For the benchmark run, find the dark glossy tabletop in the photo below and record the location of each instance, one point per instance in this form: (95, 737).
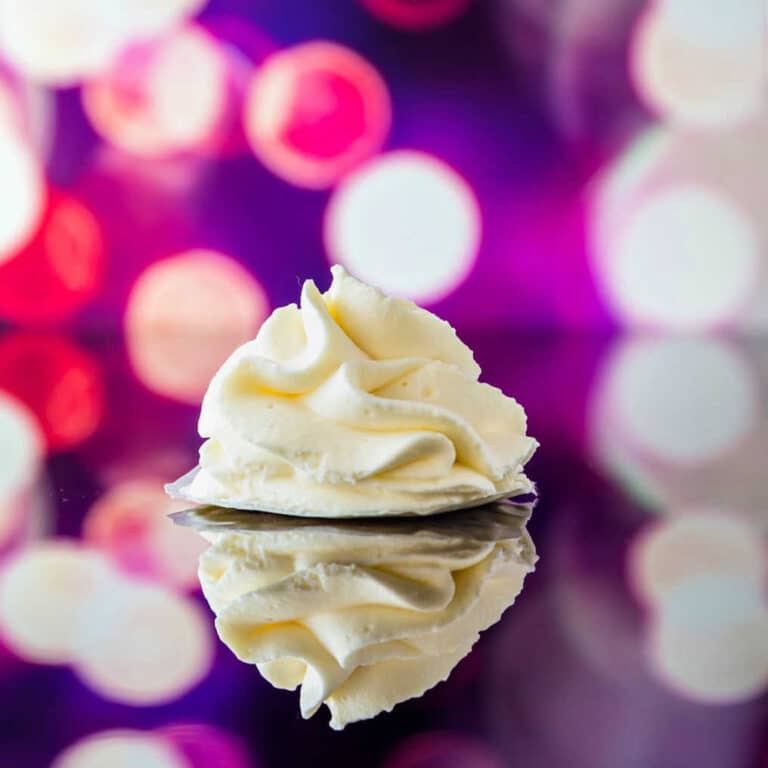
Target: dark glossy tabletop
(640, 640)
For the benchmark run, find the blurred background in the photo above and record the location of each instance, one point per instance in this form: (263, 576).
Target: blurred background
(579, 186)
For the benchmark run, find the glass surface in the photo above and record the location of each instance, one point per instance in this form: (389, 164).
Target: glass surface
(641, 639)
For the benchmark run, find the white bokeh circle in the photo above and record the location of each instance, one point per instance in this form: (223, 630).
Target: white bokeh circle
(687, 259)
(144, 645)
(46, 590)
(120, 749)
(407, 223)
(22, 193)
(685, 400)
(699, 71)
(185, 315)
(725, 666)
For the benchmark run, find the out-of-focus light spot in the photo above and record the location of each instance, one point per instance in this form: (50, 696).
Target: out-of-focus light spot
(57, 381)
(120, 749)
(416, 14)
(315, 111)
(59, 41)
(185, 316)
(44, 592)
(21, 452)
(205, 746)
(22, 193)
(683, 400)
(700, 547)
(140, 461)
(668, 158)
(21, 446)
(701, 66)
(407, 223)
(9, 117)
(58, 271)
(616, 189)
(715, 23)
(686, 260)
(143, 645)
(728, 473)
(691, 602)
(702, 575)
(26, 111)
(144, 18)
(723, 666)
(129, 523)
(161, 96)
(443, 749)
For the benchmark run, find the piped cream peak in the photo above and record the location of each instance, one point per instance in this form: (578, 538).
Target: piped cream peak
(356, 404)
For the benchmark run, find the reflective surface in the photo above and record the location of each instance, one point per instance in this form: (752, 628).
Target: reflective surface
(641, 638)
(361, 615)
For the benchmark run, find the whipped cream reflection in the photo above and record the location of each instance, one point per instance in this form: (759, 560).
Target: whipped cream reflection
(361, 614)
(356, 404)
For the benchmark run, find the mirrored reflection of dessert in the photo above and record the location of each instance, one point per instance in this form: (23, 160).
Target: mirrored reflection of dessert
(361, 614)
(354, 405)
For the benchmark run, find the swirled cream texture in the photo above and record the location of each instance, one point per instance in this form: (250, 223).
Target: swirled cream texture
(356, 404)
(360, 621)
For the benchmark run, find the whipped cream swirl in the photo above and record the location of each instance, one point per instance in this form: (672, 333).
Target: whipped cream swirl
(356, 404)
(362, 618)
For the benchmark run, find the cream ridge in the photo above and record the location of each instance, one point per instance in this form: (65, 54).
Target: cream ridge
(356, 404)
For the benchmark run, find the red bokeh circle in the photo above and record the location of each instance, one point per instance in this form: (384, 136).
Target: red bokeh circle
(315, 111)
(59, 270)
(416, 15)
(58, 381)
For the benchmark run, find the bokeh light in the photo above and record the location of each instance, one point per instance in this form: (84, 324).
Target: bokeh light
(727, 665)
(315, 111)
(45, 592)
(58, 271)
(443, 749)
(160, 96)
(21, 451)
(731, 477)
(406, 222)
(22, 193)
(697, 545)
(143, 462)
(120, 749)
(711, 184)
(615, 194)
(416, 15)
(21, 446)
(185, 315)
(27, 111)
(58, 381)
(59, 41)
(144, 18)
(701, 64)
(702, 575)
(206, 746)
(684, 401)
(9, 116)
(687, 259)
(130, 524)
(143, 645)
